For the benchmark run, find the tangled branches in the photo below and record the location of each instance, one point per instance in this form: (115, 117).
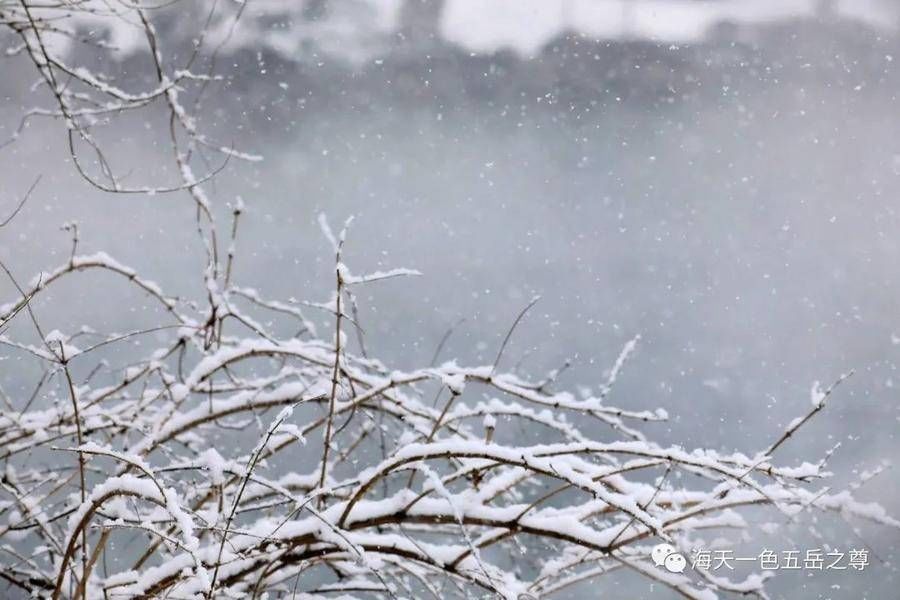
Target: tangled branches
(399, 488)
(233, 461)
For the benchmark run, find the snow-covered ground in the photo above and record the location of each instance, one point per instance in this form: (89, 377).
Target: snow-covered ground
(525, 26)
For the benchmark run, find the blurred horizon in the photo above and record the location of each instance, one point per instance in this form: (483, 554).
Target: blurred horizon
(358, 31)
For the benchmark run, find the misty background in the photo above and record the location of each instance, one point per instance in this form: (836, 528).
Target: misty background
(720, 178)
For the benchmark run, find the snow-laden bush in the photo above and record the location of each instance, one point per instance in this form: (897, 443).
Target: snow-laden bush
(366, 481)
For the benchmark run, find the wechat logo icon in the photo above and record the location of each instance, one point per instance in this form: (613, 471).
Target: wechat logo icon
(664, 555)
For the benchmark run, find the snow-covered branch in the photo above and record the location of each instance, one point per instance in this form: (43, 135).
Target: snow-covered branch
(233, 460)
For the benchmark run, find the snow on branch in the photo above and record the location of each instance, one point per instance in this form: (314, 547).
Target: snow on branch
(231, 459)
(219, 513)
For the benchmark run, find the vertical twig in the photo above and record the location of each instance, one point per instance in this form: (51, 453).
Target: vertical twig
(64, 361)
(336, 370)
(510, 332)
